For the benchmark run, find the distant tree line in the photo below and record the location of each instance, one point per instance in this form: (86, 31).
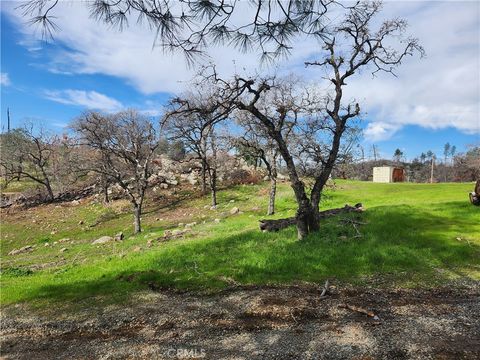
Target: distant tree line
(452, 167)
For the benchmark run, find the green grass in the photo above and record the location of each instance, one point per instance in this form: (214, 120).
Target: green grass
(18, 186)
(415, 235)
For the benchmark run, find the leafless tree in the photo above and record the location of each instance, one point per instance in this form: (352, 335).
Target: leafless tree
(191, 119)
(260, 149)
(189, 25)
(467, 165)
(320, 122)
(123, 144)
(29, 154)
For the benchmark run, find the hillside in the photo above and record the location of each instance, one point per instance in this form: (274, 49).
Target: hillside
(412, 235)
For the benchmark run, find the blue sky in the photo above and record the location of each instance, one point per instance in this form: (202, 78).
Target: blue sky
(50, 84)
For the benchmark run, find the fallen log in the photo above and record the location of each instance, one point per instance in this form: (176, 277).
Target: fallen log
(276, 225)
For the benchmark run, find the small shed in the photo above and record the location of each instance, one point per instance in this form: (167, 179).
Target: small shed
(388, 174)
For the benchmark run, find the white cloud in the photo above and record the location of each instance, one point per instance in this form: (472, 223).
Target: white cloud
(437, 92)
(4, 79)
(87, 99)
(95, 48)
(379, 131)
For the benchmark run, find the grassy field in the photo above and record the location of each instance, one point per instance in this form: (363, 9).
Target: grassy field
(416, 235)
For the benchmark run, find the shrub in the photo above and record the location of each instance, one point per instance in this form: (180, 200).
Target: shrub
(242, 176)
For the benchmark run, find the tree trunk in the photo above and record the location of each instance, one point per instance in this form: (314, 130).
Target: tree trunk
(137, 213)
(49, 189)
(306, 220)
(105, 194)
(214, 196)
(272, 168)
(213, 169)
(271, 201)
(204, 176)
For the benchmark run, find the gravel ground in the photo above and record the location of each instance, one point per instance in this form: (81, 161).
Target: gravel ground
(256, 323)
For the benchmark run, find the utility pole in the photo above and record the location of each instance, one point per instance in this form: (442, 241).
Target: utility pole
(431, 170)
(8, 120)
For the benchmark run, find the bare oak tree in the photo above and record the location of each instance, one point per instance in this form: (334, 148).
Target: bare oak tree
(191, 119)
(252, 145)
(124, 145)
(29, 154)
(321, 121)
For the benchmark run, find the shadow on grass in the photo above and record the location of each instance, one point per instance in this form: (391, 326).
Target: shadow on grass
(400, 242)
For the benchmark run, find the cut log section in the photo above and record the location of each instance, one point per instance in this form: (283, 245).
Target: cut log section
(276, 225)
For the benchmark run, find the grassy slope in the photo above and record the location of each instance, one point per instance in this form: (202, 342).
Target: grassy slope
(410, 239)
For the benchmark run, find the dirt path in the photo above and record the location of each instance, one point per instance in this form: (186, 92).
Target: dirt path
(262, 323)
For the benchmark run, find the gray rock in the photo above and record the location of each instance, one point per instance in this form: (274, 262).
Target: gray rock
(119, 236)
(21, 250)
(63, 250)
(234, 210)
(177, 232)
(102, 240)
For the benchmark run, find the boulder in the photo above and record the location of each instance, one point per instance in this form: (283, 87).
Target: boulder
(63, 250)
(119, 236)
(21, 250)
(177, 232)
(192, 224)
(217, 220)
(234, 210)
(102, 240)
